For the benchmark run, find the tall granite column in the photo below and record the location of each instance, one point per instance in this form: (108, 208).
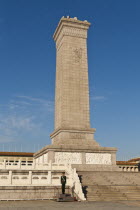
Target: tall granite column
(73, 138)
(72, 115)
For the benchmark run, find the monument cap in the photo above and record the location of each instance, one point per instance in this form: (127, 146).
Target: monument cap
(73, 22)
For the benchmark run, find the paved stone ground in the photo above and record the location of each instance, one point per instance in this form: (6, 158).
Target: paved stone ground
(51, 205)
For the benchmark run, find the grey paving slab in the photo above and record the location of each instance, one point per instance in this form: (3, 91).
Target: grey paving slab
(51, 205)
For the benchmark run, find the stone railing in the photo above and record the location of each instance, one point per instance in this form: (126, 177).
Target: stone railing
(128, 168)
(32, 176)
(29, 179)
(75, 183)
(31, 166)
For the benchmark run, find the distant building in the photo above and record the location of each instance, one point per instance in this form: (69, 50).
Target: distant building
(130, 165)
(14, 157)
(134, 160)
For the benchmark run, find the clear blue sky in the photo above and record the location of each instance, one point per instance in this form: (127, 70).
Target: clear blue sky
(27, 71)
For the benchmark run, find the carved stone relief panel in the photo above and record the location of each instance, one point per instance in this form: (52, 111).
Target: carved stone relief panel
(68, 157)
(77, 54)
(98, 158)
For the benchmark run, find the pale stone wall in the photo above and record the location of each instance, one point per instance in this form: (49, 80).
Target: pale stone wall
(41, 159)
(41, 175)
(46, 158)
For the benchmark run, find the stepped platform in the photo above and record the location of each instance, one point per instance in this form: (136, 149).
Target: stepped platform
(65, 198)
(110, 185)
(30, 192)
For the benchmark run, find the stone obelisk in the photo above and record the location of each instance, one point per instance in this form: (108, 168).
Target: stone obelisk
(72, 115)
(73, 138)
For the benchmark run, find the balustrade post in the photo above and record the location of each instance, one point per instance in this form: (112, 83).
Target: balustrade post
(19, 163)
(49, 177)
(43, 159)
(4, 163)
(10, 177)
(34, 164)
(30, 177)
(74, 171)
(136, 169)
(50, 165)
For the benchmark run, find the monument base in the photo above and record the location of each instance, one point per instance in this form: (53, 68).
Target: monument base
(74, 136)
(76, 146)
(77, 154)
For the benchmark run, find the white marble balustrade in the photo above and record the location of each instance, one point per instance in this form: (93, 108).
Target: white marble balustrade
(129, 168)
(31, 166)
(31, 175)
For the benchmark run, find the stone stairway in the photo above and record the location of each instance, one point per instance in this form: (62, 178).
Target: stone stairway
(110, 186)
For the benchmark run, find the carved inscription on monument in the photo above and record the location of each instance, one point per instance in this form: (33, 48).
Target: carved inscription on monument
(68, 157)
(77, 54)
(77, 135)
(98, 158)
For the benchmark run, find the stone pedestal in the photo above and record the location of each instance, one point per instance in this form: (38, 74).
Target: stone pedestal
(78, 154)
(73, 136)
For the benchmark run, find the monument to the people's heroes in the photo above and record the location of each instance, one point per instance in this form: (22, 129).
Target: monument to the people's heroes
(73, 138)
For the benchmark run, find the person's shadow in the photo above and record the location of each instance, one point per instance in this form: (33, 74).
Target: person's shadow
(84, 188)
(80, 178)
(139, 166)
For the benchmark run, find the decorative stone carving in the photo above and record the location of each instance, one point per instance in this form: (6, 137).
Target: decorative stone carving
(4, 177)
(77, 55)
(98, 158)
(70, 31)
(24, 177)
(68, 157)
(76, 135)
